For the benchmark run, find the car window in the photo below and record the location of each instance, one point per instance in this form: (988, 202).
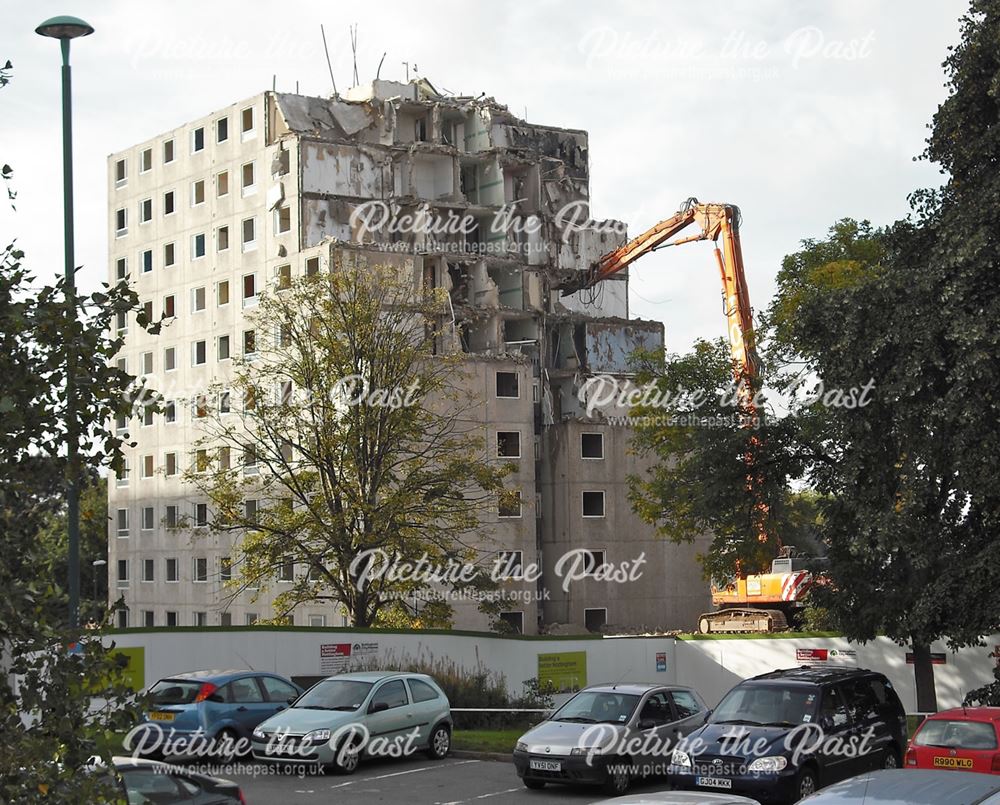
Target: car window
(174, 691)
(277, 690)
(421, 691)
(189, 787)
(833, 709)
(598, 706)
(656, 709)
(957, 734)
(685, 703)
(245, 691)
(861, 702)
(768, 704)
(149, 786)
(392, 693)
(334, 694)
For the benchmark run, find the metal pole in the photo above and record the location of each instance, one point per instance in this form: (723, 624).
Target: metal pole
(72, 436)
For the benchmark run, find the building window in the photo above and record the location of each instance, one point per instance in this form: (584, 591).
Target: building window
(226, 568)
(169, 306)
(197, 246)
(222, 129)
(222, 238)
(121, 173)
(251, 508)
(121, 222)
(171, 618)
(283, 275)
(198, 193)
(508, 444)
(147, 416)
(147, 309)
(145, 211)
(509, 505)
(123, 573)
(172, 575)
(168, 152)
(249, 342)
(222, 293)
(507, 386)
(200, 409)
(200, 515)
(149, 570)
(201, 619)
(509, 565)
(146, 160)
(198, 354)
(593, 504)
(168, 203)
(514, 620)
(592, 445)
(197, 299)
(247, 123)
(282, 219)
(121, 268)
(169, 411)
(249, 460)
(249, 289)
(170, 464)
(147, 363)
(312, 266)
(317, 621)
(148, 618)
(248, 179)
(169, 359)
(222, 184)
(595, 619)
(223, 345)
(225, 400)
(286, 571)
(225, 460)
(251, 618)
(169, 255)
(122, 523)
(201, 460)
(147, 466)
(199, 569)
(592, 560)
(171, 516)
(249, 230)
(121, 323)
(122, 479)
(197, 140)
(123, 618)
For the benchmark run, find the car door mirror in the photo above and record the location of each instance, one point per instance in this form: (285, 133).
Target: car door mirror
(378, 707)
(291, 699)
(647, 723)
(826, 722)
(708, 715)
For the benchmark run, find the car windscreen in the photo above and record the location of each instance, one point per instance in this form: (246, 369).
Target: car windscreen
(772, 705)
(957, 734)
(174, 691)
(592, 707)
(334, 694)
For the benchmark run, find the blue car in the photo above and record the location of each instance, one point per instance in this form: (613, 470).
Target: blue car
(209, 712)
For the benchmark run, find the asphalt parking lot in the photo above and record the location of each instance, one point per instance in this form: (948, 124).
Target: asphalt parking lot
(417, 781)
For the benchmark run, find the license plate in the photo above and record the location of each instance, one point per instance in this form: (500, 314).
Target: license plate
(157, 716)
(713, 782)
(953, 762)
(545, 765)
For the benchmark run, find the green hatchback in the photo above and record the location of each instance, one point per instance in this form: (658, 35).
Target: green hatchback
(345, 718)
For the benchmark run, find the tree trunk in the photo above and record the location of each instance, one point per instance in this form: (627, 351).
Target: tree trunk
(923, 676)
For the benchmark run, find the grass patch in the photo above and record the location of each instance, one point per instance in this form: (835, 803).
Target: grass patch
(758, 636)
(486, 740)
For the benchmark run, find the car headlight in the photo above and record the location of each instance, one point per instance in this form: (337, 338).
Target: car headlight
(768, 764)
(521, 746)
(586, 750)
(317, 737)
(679, 758)
(259, 734)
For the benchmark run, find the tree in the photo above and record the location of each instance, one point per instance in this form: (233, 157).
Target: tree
(58, 708)
(349, 431)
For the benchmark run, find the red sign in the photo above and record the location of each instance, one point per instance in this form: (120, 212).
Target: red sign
(811, 654)
(333, 657)
(937, 658)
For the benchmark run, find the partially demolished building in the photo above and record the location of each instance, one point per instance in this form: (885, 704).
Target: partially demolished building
(474, 201)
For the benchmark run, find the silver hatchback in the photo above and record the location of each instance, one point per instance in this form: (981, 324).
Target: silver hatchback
(609, 734)
(344, 718)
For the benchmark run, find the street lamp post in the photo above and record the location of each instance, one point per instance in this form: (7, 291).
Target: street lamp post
(97, 563)
(64, 29)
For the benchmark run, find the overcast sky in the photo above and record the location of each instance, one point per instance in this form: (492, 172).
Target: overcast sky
(799, 112)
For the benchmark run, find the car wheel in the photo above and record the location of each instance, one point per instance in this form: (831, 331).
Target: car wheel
(225, 743)
(890, 760)
(347, 759)
(440, 743)
(534, 785)
(805, 784)
(619, 780)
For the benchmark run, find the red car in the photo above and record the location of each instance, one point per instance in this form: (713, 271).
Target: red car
(966, 739)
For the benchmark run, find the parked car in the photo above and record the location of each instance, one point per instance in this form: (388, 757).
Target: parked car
(780, 736)
(966, 739)
(641, 724)
(221, 707)
(679, 798)
(917, 787)
(343, 718)
(146, 782)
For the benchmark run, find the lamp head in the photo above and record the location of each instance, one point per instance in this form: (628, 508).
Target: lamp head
(64, 27)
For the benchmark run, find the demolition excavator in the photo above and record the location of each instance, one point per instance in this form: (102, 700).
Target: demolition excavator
(764, 602)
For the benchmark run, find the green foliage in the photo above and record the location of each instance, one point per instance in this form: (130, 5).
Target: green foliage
(404, 475)
(988, 695)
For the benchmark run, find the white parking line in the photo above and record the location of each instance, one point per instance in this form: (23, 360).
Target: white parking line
(401, 773)
(480, 796)
(498, 793)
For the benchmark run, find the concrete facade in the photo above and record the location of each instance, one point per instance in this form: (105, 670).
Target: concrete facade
(204, 217)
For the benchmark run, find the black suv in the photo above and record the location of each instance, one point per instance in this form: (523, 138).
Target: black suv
(779, 736)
